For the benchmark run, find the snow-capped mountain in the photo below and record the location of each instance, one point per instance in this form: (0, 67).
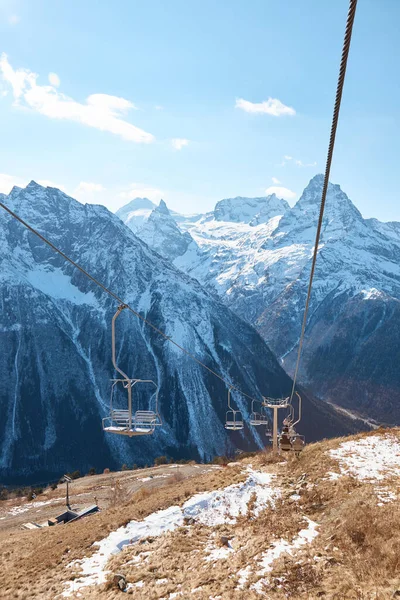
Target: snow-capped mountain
(161, 232)
(256, 254)
(55, 362)
(249, 210)
(136, 212)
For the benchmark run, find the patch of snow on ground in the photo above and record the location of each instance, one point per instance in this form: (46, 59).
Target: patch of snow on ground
(244, 574)
(210, 508)
(305, 536)
(223, 506)
(17, 510)
(371, 459)
(93, 568)
(217, 552)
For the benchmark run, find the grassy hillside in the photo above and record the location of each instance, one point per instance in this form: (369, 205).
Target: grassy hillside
(324, 526)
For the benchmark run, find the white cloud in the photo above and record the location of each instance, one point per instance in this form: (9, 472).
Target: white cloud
(54, 79)
(89, 187)
(48, 183)
(297, 162)
(7, 182)
(179, 143)
(272, 106)
(100, 111)
(13, 19)
(141, 190)
(281, 192)
(300, 163)
(275, 180)
(159, 107)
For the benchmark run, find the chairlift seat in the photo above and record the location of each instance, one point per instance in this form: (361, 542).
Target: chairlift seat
(120, 417)
(234, 420)
(257, 419)
(145, 420)
(285, 443)
(298, 443)
(254, 419)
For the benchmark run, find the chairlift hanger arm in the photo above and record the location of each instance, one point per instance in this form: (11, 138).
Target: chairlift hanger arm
(114, 360)
(299, 415)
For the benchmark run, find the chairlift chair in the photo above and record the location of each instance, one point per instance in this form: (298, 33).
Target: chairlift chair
(258, 418)
(289, 439)
(123, 421)
(298, 443)
(234, 418)
(285, 443)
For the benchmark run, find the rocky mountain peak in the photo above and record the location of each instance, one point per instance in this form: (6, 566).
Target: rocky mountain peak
(162, 208)
(136, 212)
(244, 210)
(136, 204)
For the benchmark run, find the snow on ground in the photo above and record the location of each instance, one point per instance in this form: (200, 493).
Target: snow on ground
(266, 560)
(210, 508)
(17, 510)
(372, 459)
(223, 506)
(214, 552)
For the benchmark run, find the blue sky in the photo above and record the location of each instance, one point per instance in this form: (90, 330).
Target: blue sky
(171, 99)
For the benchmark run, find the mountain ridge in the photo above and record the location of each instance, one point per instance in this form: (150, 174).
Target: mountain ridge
(261, 271)
(55, 330)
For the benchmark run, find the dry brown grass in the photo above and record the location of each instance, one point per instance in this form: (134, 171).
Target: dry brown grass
(356, 555)
(35, 562)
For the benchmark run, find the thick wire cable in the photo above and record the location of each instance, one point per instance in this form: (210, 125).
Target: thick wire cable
(335, 120)
(120, 301)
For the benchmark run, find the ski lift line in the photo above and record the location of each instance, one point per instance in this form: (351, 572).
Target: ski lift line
(120, 301)
(335, 120)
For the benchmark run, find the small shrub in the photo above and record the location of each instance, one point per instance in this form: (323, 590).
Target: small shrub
(54, 485)
(220, 460)
(92, 471)
(106, 471)
(175, 478)
(4, 493)
(75, 475)
(141, 494)
(160, 460)
(124, 467)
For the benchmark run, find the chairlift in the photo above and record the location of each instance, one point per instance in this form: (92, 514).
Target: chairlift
(289, 439)
(234, 418)
(258, 417)
(123, 421)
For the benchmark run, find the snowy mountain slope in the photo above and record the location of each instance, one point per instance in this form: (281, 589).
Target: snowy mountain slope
(249, 210)
(136, 212)
(259, 264)
(55, 346)
(161, 232)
